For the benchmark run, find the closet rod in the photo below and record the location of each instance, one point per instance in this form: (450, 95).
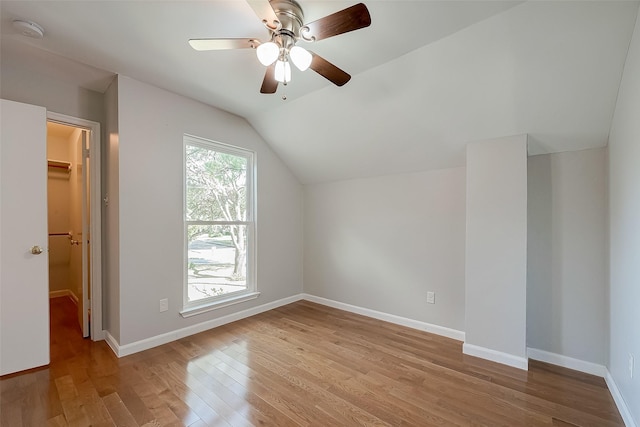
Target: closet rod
(68, 234)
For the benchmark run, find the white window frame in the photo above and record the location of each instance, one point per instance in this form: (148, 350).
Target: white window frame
(251, 292)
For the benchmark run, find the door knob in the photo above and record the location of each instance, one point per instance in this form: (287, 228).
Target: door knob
(36, 250)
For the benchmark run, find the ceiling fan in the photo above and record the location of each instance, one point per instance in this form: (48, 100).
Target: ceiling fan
(286, 28)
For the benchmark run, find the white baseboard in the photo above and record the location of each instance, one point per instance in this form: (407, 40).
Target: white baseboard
(496, 356)
(587, 368)
(112, 343)
(127, 349)
(60, 293)
(625, 413)
(567, 362)
(145, 344)
(391, 318)
(64, 293)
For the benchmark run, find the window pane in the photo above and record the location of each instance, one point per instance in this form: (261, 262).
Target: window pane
(216, 185)
(217, 260)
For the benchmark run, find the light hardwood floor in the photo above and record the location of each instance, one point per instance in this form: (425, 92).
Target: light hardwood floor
(302, 364)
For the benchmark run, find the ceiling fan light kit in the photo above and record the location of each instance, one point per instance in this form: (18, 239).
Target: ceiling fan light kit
(286, 30)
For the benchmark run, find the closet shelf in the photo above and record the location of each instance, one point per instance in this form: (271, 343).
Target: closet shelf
(57, 164)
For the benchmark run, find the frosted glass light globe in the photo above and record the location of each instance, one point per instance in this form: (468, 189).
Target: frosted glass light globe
(283, 72)
(267, 53)
(300, 57)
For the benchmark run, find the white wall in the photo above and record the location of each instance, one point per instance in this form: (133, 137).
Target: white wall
(624, 231)
(382, 243)
(38, 86)
(151, 125)
(567, 283)
(496, 250)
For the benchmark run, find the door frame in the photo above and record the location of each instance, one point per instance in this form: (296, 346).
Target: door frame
(95, 226)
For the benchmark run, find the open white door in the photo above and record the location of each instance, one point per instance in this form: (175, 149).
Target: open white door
(79, 260)
(24, 278)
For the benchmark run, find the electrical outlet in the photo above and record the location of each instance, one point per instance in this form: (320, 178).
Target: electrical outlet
(631, 363)
(431, 297)
(164, 304)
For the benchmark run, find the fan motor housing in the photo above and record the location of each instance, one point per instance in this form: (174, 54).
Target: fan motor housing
(290, 15)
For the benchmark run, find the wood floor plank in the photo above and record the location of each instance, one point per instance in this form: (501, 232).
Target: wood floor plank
(118, 411)
(57, 421)
(11, 415)
(240, 397)
(163, 416)
(73, 408)
(302, 364)
(196, 404)
(160, 395)
(209, 391)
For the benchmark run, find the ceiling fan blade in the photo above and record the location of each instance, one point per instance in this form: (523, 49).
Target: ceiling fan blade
(349, 19)
(223, 44)
(329, 71)
(264, 11)
(269, 84)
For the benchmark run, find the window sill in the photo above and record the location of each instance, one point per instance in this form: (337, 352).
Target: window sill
(225, 302)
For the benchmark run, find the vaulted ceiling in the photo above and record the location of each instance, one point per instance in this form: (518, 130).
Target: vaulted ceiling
(428, 77)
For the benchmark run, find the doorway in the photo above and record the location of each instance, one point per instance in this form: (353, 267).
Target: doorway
(73, 208)
(68, 219)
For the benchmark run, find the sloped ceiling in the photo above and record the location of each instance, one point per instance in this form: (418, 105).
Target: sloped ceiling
(428, 76)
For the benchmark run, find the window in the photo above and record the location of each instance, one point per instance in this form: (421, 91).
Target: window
(219, 225)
